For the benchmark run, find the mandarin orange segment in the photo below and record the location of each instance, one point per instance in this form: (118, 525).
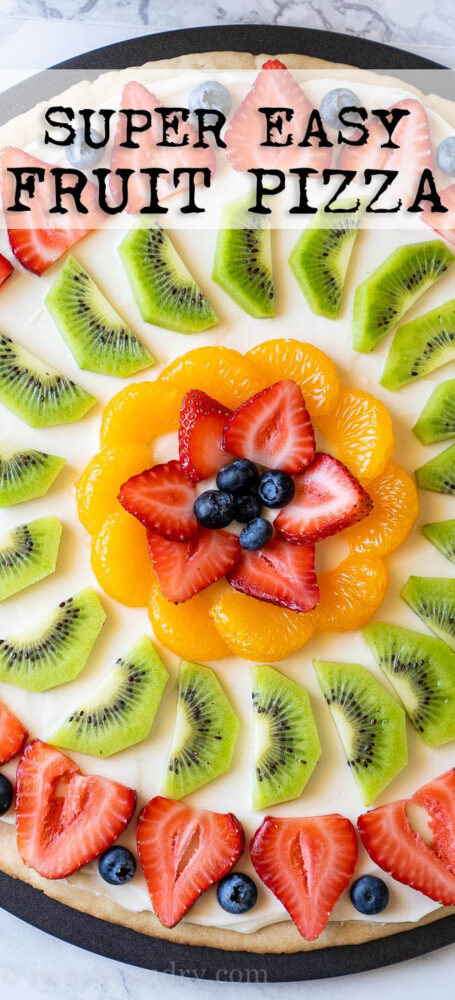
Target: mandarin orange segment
(360, 428)
(139, 413)
(259, 631)
(227, 375)
(350, 593)
(395, 508)
(187, 629)
(313, 371)
(97, 489)
(121, 562)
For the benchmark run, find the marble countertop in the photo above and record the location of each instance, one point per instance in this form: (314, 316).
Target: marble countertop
(35, 34)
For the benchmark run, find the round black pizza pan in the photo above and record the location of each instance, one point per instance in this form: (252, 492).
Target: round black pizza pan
(113, 940)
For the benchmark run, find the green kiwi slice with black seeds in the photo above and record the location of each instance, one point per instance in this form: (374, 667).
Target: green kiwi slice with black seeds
(242, 265)
(28, 553)
(420, 347)
(320, 261)
(383, 298)
(438, 475)
(205, 732)
(122, 711)
(421, 669)
(166, 293)
(35, 392)
(437, 419)
(433, 600)
(370, 723)
(57, 649)
(441, 534)
(286, 746)
(26, 474)
(96, 335)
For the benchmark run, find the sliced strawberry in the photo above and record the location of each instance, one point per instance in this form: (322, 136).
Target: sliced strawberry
(34, 238)
(413, 154)
(247, 130)
(183, 851)
(185, 568)
(162, 499)
(438, 798)
(6, 268)
(394, 846)
(307, 863)
(278, 573)
(12, 734)
(202, 421)
(63, 818)
(443, 222)
(150, 154)
(273, 64)
(273, 429)
(327, 499)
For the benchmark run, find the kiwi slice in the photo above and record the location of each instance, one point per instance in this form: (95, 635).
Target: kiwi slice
(320, 260)
(381, 300)
(437, 419)
(26, 474)
(123, 709)
(422, 671)
(95, 333)
(420, 347)
(242, 265)
(438, 475)
(166, 294)
(433, 600)
(35, 392)
(204, 734)
(370, 723)
(28, 553)
(56, 651)
(441, 534)
(286, 745)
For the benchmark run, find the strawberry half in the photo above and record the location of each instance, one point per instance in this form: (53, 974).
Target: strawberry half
(37, 243)
(273, 428)
(162, 499)
(327, 499)
(6, 268)
(278, 573)
(185, 568)
(395, 846)
(63, 818)
(307, 863)
(247, 130)
(443, 223)
(150, 154)
(12, 735)
(183, 851)
(202, 422)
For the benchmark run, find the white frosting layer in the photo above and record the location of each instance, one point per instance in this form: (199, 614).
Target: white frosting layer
(331, 788)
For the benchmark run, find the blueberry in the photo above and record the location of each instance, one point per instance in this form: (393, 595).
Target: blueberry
(238, 477)
(236, 893)
(256, 534)
(276, 488)
(369, 894)
(82, 156)
(210, 96)
(247, 506)
(117, 865)
(6, 794)
(334, 101)
(446, 155)
(214, 509)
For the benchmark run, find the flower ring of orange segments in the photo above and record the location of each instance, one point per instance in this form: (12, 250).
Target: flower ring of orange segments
(220, 620)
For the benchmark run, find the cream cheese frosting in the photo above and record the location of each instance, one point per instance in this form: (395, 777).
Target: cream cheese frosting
(331, 788)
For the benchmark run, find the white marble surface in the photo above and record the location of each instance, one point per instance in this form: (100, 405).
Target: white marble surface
(32, 965)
